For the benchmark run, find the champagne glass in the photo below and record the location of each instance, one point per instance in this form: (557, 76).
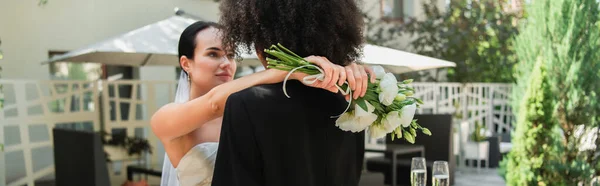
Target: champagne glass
(418, 173)
(440, 173)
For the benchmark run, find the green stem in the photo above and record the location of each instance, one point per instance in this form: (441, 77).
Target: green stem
(287, 50)
(282, 56)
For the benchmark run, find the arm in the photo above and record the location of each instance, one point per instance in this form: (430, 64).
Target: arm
(238, 161)
(172, 121)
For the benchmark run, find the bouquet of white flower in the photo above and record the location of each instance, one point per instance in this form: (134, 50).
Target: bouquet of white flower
(387, 106)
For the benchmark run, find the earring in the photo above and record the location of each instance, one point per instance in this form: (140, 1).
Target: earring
(188, 77)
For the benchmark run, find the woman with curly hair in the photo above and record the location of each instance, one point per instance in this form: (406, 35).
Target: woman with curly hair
(269, 139)
(329, 28)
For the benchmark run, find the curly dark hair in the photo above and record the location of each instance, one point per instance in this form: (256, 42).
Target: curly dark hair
(329, 28)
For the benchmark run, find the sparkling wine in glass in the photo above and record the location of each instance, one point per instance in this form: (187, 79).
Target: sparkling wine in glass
(418, 174)
(440, 174)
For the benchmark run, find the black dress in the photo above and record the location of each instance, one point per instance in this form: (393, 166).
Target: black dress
(268, 139)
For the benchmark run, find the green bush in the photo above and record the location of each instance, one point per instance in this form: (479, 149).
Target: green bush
(476, 35)
(556, 99)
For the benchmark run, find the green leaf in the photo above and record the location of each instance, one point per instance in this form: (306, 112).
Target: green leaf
(407, 81)
(377, 106)
(419, 101)
(372, 85)
(361, 102)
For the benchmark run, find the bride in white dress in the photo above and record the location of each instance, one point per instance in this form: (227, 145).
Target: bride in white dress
(190, 127)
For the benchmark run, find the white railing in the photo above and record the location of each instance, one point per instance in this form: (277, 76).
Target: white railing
(485, 103)
(34, 106)
(31, 110)
(142, 98)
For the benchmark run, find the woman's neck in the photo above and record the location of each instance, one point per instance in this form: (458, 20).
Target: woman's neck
(196, 92)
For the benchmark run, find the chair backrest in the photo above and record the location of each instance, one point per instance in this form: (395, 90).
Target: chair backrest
(79, 158)
(439, 145)
(505, 137)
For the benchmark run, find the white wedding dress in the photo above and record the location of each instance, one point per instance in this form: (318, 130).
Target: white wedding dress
(195, 167)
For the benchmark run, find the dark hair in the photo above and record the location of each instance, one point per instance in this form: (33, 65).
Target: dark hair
(330, 28)
(187, 41)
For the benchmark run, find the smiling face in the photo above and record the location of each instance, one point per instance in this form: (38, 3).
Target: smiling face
(211, 64)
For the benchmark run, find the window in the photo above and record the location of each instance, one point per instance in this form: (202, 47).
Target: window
(392, 10)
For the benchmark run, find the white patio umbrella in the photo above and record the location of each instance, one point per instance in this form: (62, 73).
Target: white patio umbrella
(156, 44)
(397, 61)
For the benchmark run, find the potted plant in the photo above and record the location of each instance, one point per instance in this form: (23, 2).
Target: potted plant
(479, 139)
(123, 145)
(479, 134)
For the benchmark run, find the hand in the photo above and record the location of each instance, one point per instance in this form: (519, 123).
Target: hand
(358, 79)
(275, 76)
(332, 74)
(356, 75)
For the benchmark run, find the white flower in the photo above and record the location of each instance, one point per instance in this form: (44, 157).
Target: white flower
(391, 121)
(389, 89)
(377, 131)
(357, 121)
(346, 122)
(364, 118)
(407, 113)
(363, 122)
(379, 71)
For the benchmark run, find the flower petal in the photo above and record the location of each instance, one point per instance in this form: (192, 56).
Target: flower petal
(391, 121)
(345, 121)
(389, 89)
(377, 131)
(361, 123)
(379, 71)
(407, 114)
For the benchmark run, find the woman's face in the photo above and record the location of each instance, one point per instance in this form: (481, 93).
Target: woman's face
(212, 64)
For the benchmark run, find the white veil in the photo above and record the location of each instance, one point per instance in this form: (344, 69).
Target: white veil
(182, 95)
